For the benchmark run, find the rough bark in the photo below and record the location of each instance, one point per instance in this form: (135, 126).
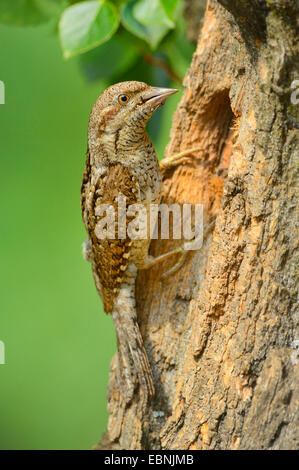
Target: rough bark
(221, 335)
(193, 12)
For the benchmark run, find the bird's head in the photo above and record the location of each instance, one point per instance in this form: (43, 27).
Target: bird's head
(126, 104)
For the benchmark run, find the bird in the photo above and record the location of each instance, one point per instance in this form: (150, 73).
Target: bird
(122, 160)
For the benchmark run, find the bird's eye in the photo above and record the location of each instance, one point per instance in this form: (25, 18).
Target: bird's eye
(123, 99)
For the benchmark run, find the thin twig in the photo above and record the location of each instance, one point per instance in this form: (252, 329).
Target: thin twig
(162, 64)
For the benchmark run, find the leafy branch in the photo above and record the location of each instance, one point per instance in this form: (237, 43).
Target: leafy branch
(111, 33)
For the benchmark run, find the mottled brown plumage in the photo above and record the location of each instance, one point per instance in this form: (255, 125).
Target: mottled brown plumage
(121, 160)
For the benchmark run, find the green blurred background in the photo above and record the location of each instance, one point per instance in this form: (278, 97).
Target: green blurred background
(58, 342)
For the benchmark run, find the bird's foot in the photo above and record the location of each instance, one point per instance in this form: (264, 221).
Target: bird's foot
(182, 251)
(87, 251)
(178, 159)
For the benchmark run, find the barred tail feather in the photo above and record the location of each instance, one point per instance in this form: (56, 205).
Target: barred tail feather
(133, 363)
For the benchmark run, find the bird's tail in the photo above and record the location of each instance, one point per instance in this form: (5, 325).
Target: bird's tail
(133, 363)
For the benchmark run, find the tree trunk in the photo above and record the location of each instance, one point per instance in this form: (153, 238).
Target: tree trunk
(221, 334)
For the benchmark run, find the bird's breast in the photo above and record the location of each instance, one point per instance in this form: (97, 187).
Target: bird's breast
(147, 173)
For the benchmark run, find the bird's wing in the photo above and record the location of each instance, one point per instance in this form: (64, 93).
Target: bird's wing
(85, 186)
(110, 256)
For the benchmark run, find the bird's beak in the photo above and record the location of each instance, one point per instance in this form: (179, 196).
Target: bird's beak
(158, 95)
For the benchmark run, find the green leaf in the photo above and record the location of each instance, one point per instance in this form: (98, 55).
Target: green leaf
(151, 13)
(51, 8)
(109, 60)
(29, 12)
(178, 49)
(86, 25)
(152, 34)
(170, 7)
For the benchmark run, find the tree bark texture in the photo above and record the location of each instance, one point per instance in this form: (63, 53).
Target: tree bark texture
(221, 333)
